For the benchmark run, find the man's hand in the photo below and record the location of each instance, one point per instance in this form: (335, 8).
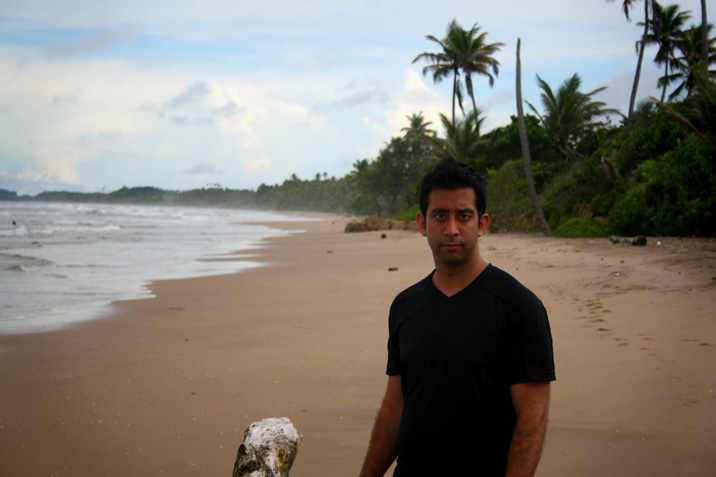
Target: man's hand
(531, 401)
(383, 448)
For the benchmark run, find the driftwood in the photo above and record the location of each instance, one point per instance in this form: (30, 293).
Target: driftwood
(638, 240)
(269, 449)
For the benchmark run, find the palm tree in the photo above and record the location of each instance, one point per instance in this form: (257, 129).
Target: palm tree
(473, 55)
(690, 48)
(665, 30)
(461, 137)
(442, 65)
(641, 45)
(569, 113)
(703, 101)
(418, 128)
(462, 50)
(524, 143)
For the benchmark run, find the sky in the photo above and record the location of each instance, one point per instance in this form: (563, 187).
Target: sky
(176, 94)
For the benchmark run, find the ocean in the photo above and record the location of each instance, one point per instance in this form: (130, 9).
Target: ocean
(62, 263)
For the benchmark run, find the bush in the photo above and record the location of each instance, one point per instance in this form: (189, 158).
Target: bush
(507, 200)
(577, 227)
(674, 195)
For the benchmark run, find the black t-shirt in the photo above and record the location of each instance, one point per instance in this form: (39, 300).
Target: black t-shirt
(457, 357)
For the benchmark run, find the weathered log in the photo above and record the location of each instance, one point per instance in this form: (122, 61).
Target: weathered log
(638, 240)
(269, 449)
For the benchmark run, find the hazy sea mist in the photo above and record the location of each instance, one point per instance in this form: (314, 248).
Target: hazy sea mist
(61, 263)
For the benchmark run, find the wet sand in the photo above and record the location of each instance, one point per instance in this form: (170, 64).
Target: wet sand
(168, 385)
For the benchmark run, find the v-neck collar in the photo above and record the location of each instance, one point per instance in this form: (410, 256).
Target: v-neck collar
(431, 284)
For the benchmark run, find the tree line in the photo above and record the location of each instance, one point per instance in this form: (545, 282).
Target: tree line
(572, 167)
(593, 170)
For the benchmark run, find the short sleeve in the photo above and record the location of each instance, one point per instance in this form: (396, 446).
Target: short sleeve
(531, 353)
(394, 365)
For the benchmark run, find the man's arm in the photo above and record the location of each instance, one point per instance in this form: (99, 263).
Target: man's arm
(531, 401)
(383, 448)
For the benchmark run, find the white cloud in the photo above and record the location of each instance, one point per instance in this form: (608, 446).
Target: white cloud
(254, 165)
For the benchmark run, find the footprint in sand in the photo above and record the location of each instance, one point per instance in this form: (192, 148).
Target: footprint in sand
(701, 343)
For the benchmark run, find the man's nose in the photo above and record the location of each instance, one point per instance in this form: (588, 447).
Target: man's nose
(451, 228)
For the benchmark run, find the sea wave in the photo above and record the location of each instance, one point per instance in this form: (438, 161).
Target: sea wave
(63, 262)
(22, 263)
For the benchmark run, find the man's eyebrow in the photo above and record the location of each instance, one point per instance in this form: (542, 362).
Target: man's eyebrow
(459, 211)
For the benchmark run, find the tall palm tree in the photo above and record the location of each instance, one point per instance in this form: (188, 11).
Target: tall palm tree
(569, 113)
(665, 31)
(525, 145)
(442, 65)
(473, 55)
(627, 5)
(463, 51)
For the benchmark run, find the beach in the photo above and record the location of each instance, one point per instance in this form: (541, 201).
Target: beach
(168, 385)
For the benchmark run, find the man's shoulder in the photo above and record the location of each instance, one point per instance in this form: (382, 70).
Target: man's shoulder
(410, 301)
(413, 290)
(503, 285)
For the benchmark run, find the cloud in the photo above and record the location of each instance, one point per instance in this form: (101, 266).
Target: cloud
(204, 168)
(24, 186)
(50, 163)
(71, 98)
(618, 88)
(229, 110)
(88, 42)
(356, 94)
(255, 164)
(193, 95)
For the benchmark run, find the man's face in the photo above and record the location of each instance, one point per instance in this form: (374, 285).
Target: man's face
(452, 226)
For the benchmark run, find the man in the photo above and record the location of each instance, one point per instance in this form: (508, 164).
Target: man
(469, 353)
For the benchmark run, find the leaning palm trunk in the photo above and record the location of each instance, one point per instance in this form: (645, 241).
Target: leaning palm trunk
(637, 75)
(454, 95)
(705, 33)
(526, 150)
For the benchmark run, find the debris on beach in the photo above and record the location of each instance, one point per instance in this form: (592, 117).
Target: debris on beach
(639, 240)
(269, 449)
(370, 224)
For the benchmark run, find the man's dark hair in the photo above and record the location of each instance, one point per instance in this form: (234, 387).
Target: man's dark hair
(450, 175)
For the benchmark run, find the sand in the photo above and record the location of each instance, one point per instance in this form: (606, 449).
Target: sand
(168, 385)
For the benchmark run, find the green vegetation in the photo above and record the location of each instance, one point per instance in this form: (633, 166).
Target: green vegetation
(654, 173)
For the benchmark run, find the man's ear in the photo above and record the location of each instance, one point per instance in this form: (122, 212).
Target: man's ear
(420, 219)
(482, 226)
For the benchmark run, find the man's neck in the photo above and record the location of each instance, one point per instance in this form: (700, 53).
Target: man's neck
(451, 280)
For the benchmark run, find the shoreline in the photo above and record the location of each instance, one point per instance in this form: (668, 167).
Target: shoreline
(168, 385)
(64, 263)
